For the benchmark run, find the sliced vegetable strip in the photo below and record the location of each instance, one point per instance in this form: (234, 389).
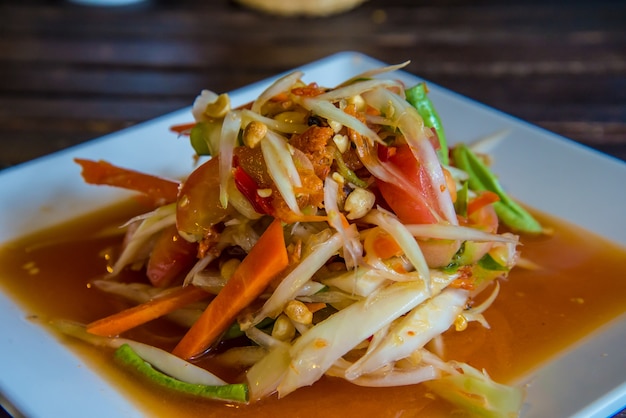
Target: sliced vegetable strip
(482, 178)
(103, 173)
(316, 351)
(235, 392)
(345, 202)
(264, 262)
(164, 361)
(476, 393)
(137, 315)
(171, 256)
(418, 97)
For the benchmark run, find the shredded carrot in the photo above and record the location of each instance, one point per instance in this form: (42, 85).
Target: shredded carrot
(398, 267)
(280, 97)
(315, 306)
(310, 90)
(291, 217)
(182, 128)
(369, 110)
(103, 173)
(485, 198)
(465, 283)
(386, 246)
(263, 263)
(344, 221)
(122, 321)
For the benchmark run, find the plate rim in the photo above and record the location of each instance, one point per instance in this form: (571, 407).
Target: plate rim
(603, 405)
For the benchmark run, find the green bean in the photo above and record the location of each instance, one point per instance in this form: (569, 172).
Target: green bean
(345, 171)
(460, 206)
(482, 178)
(237, 392)
(417, 96)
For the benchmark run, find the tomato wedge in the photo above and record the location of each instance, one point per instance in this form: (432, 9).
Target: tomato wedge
(409, 208)
(170, 257)
(198, 208)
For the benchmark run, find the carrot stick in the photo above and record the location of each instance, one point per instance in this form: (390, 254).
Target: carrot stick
(485, 198)
(104, 173)
(386, 246)
(182, 128)
(262, 264)
(117, 323)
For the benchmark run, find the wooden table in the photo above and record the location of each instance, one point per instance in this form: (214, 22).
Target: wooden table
(70, 73)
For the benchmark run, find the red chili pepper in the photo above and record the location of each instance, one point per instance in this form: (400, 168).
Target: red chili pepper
(384, 152)
(249, 188)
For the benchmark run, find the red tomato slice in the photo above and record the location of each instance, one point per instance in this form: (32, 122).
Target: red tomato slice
(198, 208)
(170, 257)
(409, 208)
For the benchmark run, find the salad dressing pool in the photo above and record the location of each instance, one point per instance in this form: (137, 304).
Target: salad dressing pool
(578, 285)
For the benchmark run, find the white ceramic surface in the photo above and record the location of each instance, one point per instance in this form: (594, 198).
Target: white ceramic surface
(546, 171)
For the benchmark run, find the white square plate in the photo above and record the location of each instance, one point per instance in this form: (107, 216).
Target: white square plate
(43, 378)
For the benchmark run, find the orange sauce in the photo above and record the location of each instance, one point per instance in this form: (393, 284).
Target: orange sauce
(538, 313)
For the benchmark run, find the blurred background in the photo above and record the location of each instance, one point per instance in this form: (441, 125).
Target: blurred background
(71, 72)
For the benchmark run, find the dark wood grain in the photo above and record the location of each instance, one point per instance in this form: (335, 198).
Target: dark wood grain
(70, 73)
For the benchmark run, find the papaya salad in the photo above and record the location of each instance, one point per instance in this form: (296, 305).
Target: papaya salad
(324, 232)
